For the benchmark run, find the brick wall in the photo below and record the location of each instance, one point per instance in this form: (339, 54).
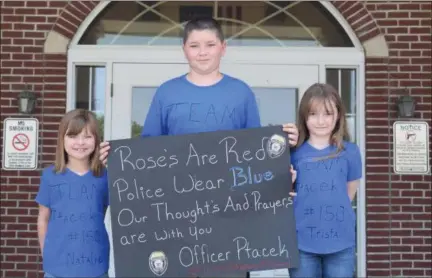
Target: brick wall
(398, 207)
(24, 27)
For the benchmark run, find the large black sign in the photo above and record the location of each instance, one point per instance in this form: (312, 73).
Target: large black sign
(208, 204)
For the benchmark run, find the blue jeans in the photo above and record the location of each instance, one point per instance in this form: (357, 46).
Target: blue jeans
(335, 265)
(48, 275)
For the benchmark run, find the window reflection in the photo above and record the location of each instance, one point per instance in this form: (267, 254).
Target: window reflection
(276, 105)
(141, 100)
(344, 80)
(90, 91)
(251, 23)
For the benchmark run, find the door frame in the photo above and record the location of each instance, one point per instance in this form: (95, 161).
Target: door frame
(324, 57)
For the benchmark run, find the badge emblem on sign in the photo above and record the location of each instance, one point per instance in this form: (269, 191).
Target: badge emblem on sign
(158, 262)
(276, 146)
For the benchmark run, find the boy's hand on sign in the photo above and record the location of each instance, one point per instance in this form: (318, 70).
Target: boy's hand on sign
(293, 133)
(103, 152)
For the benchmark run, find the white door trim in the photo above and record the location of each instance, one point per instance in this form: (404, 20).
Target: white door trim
(250, 55)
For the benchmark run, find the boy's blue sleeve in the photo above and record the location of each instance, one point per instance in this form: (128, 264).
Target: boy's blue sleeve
(354, 163)
(153, 125)
(252, 113)
(43, 196)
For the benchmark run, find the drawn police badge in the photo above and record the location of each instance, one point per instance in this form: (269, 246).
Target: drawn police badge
(276, 146)
(158, 262)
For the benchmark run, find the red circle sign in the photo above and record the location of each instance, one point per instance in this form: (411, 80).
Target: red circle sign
(20, 142)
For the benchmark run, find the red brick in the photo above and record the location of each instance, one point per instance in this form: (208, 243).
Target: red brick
(6, 26)
(78, 11)
(425, 22)
(38, 4)
(24, 11)
(46, 12)
(12, 34)
(57, 4)
(420, 30)
(421, 45)
(386, 7)
(426, 6)
(425, 264)
(14, 273)
(397, 30)
(408, 22)
(13, 18)
(402, 264)
(66, 26)
(398, 14)
(82, 7)
(387, 22)
(410, 6)
(407, 38)
(71, 19)
(23, 42)
(353, 9)
(423, 233)
(28, 250)
(35, 19)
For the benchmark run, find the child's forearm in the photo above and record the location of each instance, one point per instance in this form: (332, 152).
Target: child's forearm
(42, 225)
(42, 229)
(352, 193)
(352, 189)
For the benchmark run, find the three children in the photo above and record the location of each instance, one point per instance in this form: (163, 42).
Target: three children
(73, 194)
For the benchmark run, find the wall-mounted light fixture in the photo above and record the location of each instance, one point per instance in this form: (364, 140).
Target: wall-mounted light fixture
(406, 106)
(26, 101)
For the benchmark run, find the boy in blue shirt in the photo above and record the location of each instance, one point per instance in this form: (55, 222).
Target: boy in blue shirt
(204, 99)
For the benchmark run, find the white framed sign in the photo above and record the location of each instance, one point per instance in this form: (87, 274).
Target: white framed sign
(20, 143)
(411, 147)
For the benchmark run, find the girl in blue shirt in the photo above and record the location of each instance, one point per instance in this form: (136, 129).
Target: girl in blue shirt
(329, 169)
(73, 198)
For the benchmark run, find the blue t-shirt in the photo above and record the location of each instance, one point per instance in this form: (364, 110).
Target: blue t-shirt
(76, 242)
(325, 220)
(181, 107)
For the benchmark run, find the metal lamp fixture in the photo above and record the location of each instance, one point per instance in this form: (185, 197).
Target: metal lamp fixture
(26, 102)
(406, 106)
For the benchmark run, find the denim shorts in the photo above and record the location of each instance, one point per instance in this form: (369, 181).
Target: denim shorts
(334, 265)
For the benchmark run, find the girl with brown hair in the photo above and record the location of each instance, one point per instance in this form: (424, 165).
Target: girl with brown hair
(329, 169)
(73, 198)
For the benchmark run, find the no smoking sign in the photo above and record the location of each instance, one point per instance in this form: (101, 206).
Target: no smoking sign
(20, 144)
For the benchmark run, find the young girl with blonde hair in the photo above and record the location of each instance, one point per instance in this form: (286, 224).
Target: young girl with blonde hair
(73, 198)
(329, 168)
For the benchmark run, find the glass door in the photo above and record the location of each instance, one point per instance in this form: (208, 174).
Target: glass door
(278, 89)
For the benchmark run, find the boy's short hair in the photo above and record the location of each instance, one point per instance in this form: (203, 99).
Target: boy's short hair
(203, 23)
